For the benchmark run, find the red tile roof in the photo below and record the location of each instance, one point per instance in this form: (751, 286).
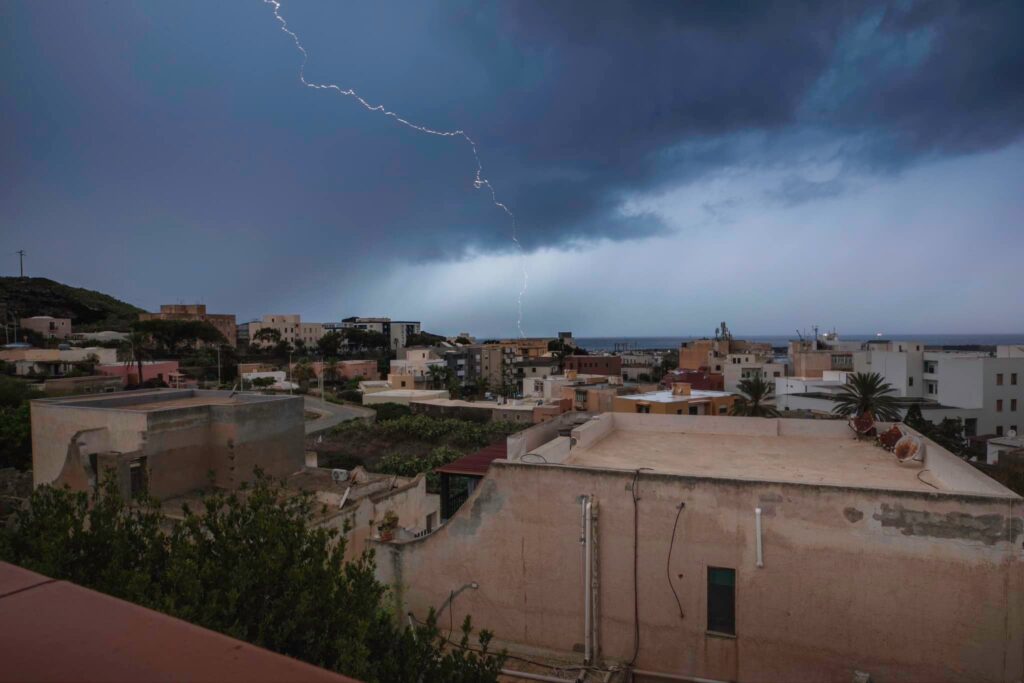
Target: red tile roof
(56, 631)
(476, 464)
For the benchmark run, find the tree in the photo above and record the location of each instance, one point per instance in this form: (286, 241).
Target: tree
(330, 344)
(303, 373)
(752, 402)
(331, 370)
(438, 375)
(174, 337)
(267, 336)
(136, 348)
(16, 423)
(247, 564)
(866, 393)
(948, 433)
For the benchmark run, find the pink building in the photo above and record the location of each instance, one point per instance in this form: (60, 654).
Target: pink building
(348, 369)
(151, 369)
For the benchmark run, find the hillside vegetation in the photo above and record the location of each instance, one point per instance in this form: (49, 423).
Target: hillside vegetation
(88, 310)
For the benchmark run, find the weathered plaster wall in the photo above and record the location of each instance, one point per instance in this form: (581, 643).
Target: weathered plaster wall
(905, 586)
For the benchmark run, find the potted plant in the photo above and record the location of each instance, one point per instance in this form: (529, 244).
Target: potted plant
(387, 526)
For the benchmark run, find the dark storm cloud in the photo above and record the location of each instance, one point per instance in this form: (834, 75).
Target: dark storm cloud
(609, 98)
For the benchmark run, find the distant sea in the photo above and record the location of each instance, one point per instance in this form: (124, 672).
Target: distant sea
(609, 343)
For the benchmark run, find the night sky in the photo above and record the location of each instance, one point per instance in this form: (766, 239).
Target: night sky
(671, 165)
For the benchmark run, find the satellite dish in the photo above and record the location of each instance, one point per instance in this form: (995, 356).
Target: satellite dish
(339, 476)
(909, 448)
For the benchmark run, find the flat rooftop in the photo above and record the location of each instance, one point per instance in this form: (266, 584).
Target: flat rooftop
(812, 452)
(152, 400)
(489, 405)
(666, 396)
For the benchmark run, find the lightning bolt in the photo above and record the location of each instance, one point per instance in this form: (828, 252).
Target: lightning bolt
(479, 181)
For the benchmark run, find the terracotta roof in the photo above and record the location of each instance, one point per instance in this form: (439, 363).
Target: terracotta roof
(476, 464)
(56, 631)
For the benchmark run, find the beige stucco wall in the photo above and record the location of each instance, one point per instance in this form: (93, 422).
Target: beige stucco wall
(905, 586)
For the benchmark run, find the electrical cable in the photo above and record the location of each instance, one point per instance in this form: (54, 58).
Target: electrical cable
(919, 473)
(668, 562)
(542, 461)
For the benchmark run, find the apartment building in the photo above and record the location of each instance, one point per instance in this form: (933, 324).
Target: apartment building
(290, 327)
(681, 399)
(488, 361)
(594, 365)
(730, 549)
(420, 361)
(712, 353)
(737, 367)
(397, 331)
(224, 322)
(48, 326)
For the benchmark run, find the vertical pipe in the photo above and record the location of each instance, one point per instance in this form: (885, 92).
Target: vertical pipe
(587, 580)
(757, 530)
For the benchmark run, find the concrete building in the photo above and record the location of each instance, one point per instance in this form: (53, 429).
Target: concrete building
(533, 368)
(290, 327)
(813, 357)
(344, 369)
(478, 411)
(403, 396)
(640, 365)
(711, 353)
(397, 331)
(418, 362)
(86, 384)
(594, 365)
(737, 367)
(224, 322)
(166, 442)
(48, 327)
(701, 378)
(56, 362)
(731, 549)
(997, 447)
(128, 373)
(681, 399)
(591, 396)
(105, 336)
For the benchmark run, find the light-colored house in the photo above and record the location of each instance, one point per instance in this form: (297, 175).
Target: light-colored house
(681, 399)
(730, 549)
(56, 362)
(48, 326)
(289, 326)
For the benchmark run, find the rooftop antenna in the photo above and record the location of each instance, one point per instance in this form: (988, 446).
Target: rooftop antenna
(21, 261)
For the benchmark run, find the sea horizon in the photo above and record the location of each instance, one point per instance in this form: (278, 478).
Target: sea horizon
(668, 342)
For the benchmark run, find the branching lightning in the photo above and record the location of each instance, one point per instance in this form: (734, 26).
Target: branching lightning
(479, 181)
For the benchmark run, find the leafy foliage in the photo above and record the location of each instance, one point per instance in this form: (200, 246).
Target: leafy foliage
(391, 411)
(15, 423)
(174, 337)
(866, 392)
(88, 310)
(948, 433)
(438, 431)
(407, 465)
(754, 394)
(247, 564)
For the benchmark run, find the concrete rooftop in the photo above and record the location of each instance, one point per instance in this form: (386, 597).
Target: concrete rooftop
(813, 452)
(666, 396)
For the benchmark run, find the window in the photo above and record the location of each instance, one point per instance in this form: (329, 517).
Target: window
(643, 409)
(722, 410)
(138, 479)
(694, 410)
(722, 600)
(1013, 405)
(777, 374)
(910, 381)
(999, 379)
(999, 430)
(679, 411)
(1013, 378)
(971, 426)
(999, 405)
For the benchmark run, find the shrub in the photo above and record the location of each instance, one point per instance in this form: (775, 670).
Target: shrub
(391, 411)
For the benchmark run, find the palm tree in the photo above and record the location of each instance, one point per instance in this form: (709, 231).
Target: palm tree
(136, 348)
(865, 393)
(752, 402)
(438, 376)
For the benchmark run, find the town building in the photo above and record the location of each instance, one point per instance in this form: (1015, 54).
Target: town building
(998, 447)
(701, 378)
(476, 411)
(712, 353)
(84, 384)
(57, 362)
(640, 366)
(48, 327)
(422, 362)
(224, 322)
(343, 369)
(402, 396)
(290, 328)
(730, 549)
(540, 367)
(128, 373)
(681, 399)
(165, 442)
(594, 365)
(397, 331)
(104, 336)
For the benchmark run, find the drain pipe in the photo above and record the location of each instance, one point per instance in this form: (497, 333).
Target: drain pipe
(757, 531)
(588, 573)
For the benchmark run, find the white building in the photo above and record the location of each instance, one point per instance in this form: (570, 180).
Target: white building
(290, 327)
(740, 366)
(417, 362)
(397, 331)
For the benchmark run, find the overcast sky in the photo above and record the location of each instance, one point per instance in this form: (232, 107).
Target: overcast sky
(670, 165)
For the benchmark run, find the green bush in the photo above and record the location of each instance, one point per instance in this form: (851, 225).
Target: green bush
(391, 411)
(248, 565)
(351, 395)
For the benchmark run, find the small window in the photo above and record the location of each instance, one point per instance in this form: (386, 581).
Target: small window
(643, 409)
(999, 405)
(694, 410)
(1013, 405)
(1013, 378)
(138, 478)
(910, 381)
(722, 600)
(999, 379)
(999, 430)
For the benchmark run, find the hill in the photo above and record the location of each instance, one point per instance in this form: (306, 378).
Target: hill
(88, 310)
